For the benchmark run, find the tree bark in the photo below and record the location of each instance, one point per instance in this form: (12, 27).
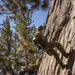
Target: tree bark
(60, 27)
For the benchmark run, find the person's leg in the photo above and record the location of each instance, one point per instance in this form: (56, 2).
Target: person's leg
(57, 58)
(62, 50)
(49, 52)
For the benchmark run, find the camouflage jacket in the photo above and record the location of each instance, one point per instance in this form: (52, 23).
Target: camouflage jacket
(39, 39)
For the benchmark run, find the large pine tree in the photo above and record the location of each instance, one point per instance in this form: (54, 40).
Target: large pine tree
(6, 46)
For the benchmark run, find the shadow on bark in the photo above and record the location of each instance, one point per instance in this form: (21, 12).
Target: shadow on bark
(70, 62)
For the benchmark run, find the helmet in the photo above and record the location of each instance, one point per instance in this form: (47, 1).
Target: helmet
(40, 28)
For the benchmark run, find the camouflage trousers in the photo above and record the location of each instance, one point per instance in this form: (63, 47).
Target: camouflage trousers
(50, 50)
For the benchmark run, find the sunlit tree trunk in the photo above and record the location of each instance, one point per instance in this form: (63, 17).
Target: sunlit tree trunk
(60, 27)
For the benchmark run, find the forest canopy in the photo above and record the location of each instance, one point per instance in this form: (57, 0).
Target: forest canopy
(16, 45)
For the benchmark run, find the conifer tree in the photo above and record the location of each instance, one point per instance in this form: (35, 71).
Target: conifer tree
(25, 43)
(6, 46)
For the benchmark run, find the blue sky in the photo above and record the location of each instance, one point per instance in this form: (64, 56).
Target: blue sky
(39, 18)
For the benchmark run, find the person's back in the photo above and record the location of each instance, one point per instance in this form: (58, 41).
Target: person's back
(38, 36)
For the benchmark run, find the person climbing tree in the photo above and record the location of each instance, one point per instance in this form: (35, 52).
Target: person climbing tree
(49, 47)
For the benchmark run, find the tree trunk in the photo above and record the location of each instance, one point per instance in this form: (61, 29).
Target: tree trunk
(60, 26)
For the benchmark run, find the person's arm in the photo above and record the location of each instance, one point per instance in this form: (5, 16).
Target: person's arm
(36, 38)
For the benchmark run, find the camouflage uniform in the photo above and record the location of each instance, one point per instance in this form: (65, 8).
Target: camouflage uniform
(36, 37)
(48, 47)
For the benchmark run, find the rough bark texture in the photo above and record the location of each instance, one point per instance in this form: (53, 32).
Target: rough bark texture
(60, 26)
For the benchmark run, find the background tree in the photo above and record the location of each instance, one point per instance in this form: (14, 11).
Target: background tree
(6, 46)
(22, 6)
(17, 49)
(18, 46)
